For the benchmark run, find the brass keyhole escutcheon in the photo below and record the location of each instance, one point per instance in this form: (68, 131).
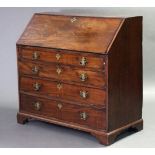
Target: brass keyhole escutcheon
(35, 55)
(35, 70)
(83, 61)
(73, 19)
(83, 116)
(58, 56)
(84, 94)
(59, 86)
(59, 105)
(36, 86)
(83, 77)
(58, 70)
(37, 106)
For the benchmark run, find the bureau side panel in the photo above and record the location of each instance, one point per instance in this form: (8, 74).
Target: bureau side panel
(18, 51)
(125, 75)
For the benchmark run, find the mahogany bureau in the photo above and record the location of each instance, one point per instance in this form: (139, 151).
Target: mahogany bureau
(82, 72)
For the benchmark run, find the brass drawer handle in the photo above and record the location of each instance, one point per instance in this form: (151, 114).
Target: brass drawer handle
(35, 55)
(59, 86)
(83, 116)
(37, 106)
(84, 94)
(59, 105)
(83, 61)
(36, 86)
(35, 70)
(58, 70)
(83, 77)
(58, 56)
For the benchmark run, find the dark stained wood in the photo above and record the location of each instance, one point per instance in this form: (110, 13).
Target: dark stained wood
(95, 120)
(83, 34)
(67, 113)
(102, 136)
(111, 137)
(47, 107)
(21, 119)
(68, 74)
(67, 92)
(125, 75)
(113, 50)
(66, 57)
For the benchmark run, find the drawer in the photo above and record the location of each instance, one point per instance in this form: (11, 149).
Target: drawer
(63, 73)
(39, 106)
(64, 57)
(66, 112)
(80, 94)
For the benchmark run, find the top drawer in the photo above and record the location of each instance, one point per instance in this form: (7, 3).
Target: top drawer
(63, 57)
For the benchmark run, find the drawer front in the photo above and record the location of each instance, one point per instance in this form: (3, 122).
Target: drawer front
(64, 91)
(64, 57)
(39, 106)
(63, 73)
(72, 113)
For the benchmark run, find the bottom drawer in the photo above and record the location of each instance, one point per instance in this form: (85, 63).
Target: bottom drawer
(70, 113)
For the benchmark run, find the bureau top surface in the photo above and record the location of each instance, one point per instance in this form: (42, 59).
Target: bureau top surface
(79, 33)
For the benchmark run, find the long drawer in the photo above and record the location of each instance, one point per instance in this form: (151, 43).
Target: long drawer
(63, 73)
(69, 92)
(69, 113)
(63, 57)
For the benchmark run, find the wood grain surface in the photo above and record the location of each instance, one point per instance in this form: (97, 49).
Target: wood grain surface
(125, 86)
(63, 73)
(110, 99)
(67, 57)
(73, 33)
(66, 92)
(68, 113)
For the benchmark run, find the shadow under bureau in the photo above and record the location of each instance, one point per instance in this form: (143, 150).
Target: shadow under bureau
(82, 72)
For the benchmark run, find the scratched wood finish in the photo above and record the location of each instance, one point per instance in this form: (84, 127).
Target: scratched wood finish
(67, 113)
(67, 92)
(63, 73)
(66, 57)
(83, 34)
